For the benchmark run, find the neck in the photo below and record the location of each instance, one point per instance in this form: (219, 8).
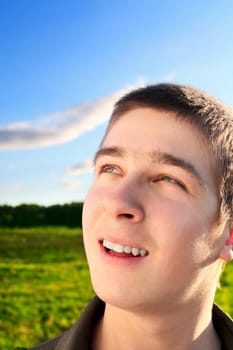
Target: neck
(120, 329)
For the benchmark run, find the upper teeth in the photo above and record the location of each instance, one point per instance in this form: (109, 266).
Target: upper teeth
(119, 248)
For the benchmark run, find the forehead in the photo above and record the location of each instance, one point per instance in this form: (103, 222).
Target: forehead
(144, 130)
(152, 122)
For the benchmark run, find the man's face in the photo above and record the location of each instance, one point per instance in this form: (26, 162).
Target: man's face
(150, 219)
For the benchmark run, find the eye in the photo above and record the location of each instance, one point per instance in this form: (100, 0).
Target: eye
(171, 180)
(108, 168)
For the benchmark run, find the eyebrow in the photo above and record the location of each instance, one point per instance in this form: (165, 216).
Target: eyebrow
(156, 157)
(109, 151)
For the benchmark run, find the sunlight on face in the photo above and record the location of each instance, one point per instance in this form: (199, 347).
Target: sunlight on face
(154, 190)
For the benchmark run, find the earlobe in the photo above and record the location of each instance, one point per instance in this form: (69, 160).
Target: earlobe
(226, 253)
(230, 239)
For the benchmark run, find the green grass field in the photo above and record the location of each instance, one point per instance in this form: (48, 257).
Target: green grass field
(45, 284)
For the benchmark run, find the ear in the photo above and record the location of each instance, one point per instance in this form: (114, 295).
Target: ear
(226, 253)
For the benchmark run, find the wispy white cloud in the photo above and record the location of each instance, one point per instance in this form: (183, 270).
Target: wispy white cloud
(80, 168)
(69, 184)
(11, 166)
(169, 77)
(59, 127)
(7, 187)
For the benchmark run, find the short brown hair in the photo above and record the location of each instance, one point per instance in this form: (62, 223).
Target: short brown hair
(212, 117)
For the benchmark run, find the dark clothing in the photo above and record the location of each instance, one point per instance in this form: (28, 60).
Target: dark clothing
(78, 337)
(223, 325)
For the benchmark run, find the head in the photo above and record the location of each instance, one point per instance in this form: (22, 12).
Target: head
(159, 211)
(212, 118)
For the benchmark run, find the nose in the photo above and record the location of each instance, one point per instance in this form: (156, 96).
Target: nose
(123, 202)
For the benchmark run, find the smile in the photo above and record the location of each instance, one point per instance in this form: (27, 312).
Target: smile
(119, 248)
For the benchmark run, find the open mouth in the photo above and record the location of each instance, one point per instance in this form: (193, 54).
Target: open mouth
(123, 250)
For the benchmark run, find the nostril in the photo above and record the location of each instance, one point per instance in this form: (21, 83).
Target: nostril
(128, 216)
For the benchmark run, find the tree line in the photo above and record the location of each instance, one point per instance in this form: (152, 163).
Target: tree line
(30, 215)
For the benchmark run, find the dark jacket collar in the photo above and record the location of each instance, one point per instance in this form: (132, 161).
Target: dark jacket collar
(78, 337)
(224, 327)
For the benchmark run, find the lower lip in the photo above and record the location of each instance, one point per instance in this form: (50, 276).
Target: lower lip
(119, 260)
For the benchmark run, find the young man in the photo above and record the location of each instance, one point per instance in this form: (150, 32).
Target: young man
(158, 225)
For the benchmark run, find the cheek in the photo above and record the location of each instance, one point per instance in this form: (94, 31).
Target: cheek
(90, 217)
(90, 208)
(177, 220)
(183, 228)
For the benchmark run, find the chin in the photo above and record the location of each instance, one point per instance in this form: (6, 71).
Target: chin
(122, 298)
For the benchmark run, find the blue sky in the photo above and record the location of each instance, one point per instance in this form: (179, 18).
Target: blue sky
(63, 63)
